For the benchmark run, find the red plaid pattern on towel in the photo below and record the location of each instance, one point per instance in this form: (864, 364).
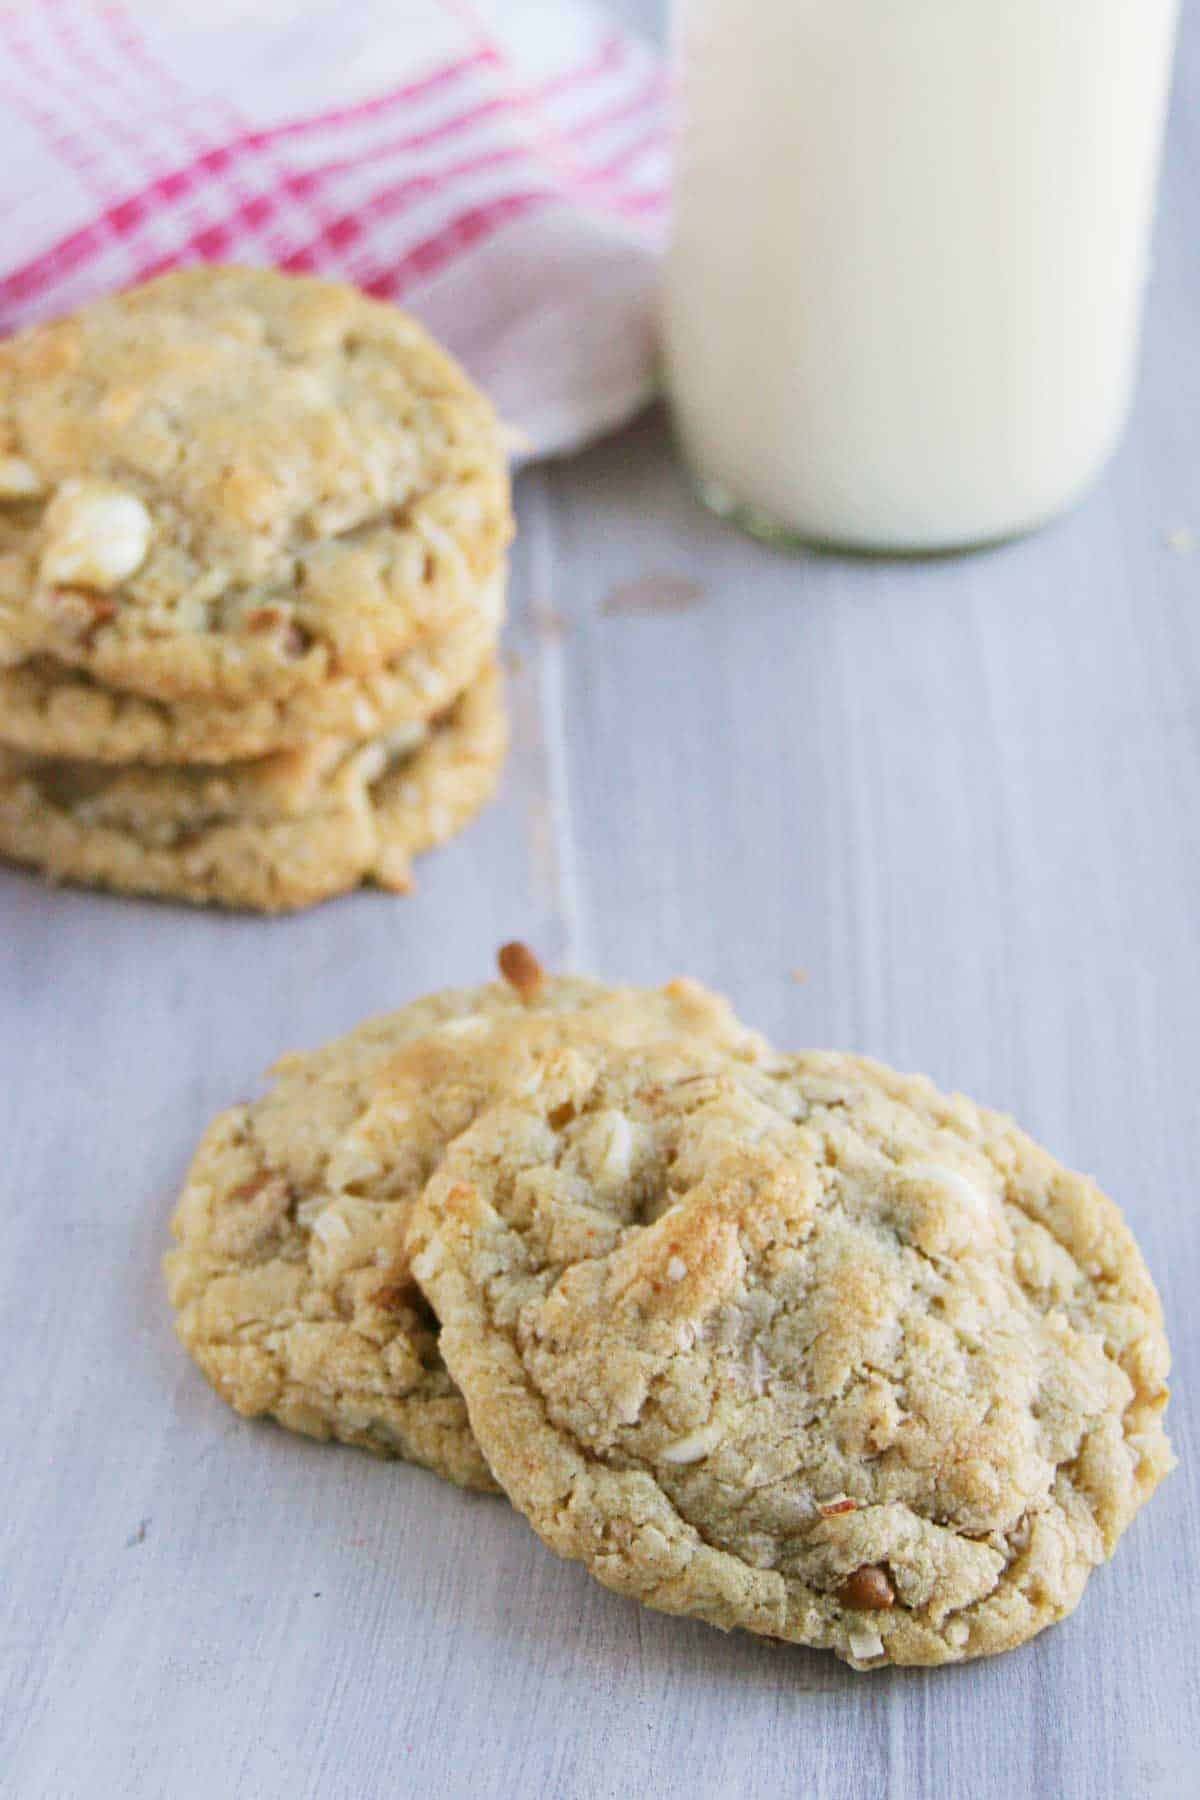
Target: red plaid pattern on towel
(500, 168)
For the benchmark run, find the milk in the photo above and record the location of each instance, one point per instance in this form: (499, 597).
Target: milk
(902, 299)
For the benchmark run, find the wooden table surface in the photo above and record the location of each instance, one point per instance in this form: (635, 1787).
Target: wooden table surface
(963, 797)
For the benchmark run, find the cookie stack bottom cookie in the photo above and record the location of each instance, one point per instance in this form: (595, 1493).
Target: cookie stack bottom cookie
(275, 833)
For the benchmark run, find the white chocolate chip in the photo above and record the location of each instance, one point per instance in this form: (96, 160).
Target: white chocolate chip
(96, 536)
(616, 1158)
(957, 1633)
(696, 1445)
(352, 1162)
(676, 1269)
(19, 480)
(330, 1226)
(950, 1182)
(865, 1642)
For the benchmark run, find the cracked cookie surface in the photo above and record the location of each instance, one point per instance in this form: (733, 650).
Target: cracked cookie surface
(809, 1349)
(238, 483)
(49, 708)
(291, 1280)
(274, 834)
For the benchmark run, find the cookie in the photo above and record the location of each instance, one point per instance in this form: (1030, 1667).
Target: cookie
(51, 709)
(234, 483)
(291, 1278)
(813, 1350)
(274, 834)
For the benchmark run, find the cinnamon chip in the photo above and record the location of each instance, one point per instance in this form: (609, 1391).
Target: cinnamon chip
(250, 1190)
(80, 610)
(266, 618)
(393, 1297)
(868, 1589)
(521, 969)
(294, 641)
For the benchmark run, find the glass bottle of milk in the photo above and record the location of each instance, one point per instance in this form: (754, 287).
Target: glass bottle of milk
(911, 236)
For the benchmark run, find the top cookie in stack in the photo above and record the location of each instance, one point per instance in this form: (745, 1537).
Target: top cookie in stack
(246, 519)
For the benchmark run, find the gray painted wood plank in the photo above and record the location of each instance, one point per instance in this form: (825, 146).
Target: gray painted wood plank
(964, 797)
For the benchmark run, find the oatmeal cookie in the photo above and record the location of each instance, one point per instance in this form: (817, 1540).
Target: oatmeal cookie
(291, 1278)
(235, 483)
(811, 1350)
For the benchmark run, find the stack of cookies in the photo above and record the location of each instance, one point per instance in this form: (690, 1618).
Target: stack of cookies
(252, 575)
(785, 1342)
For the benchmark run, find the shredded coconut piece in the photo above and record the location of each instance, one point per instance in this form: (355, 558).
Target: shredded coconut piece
(329, 1226)
(695, 1446)
(307, 1211)
(617, 1159)
(865, 1642)
(353, 1163)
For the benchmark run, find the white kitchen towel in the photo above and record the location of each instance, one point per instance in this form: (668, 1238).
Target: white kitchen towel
(500, 168)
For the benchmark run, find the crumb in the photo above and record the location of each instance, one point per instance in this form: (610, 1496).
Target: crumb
(798, 975)
(656, 594)
(546, 622)
(1182, 540)
(137, 1537)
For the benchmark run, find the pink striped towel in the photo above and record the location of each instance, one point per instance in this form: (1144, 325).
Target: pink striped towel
(500, 168)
